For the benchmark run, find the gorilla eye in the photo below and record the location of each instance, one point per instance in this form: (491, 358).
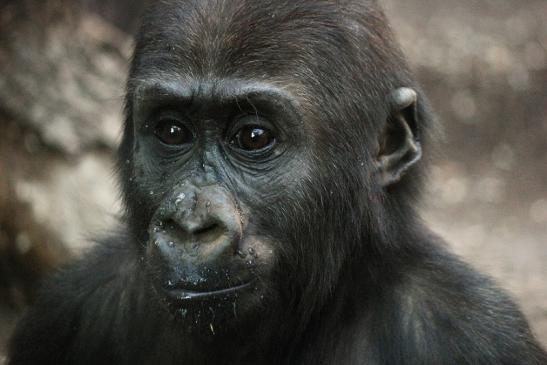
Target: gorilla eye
(173, 133)
(253, 138)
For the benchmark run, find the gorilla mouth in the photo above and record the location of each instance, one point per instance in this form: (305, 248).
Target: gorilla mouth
(180, 294)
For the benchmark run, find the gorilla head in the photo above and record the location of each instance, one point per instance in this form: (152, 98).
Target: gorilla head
(259, 146)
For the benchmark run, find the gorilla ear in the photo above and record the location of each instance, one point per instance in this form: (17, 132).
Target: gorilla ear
(399, 146)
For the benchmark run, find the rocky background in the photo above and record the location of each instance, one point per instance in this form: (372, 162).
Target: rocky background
(483, 64)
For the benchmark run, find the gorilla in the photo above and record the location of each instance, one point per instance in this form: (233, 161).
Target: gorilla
(272, 158)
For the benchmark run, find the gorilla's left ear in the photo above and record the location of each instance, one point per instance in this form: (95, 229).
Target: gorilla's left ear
(399, 145)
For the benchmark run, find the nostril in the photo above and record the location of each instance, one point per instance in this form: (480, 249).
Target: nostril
(193, 231)
(171, 228)
(209, 233)
(205, 229)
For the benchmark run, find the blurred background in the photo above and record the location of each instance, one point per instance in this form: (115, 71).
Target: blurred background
(482, 63)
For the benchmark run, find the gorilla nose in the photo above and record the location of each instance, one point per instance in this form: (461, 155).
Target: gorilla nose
(201, 222)
(194, 237)
(203, 232)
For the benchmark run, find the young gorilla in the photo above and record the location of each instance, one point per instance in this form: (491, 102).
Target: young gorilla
(270, 162)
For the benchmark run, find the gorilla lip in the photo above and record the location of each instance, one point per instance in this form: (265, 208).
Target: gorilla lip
(185, 294)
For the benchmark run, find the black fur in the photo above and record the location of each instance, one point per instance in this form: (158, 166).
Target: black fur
(356, 278)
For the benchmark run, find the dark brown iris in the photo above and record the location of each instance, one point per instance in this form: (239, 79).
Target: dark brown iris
(172, 133)
(253, 138)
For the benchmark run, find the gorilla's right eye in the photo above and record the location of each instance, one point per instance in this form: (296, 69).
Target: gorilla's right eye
(172, 133)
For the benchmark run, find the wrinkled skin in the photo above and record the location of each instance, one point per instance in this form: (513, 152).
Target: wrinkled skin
(271, 160)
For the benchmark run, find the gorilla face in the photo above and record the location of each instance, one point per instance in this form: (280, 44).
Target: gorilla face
(211, 161)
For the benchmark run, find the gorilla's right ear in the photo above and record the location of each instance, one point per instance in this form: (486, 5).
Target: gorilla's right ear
(399, 146)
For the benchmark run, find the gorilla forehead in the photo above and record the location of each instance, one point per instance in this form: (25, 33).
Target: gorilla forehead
(244, 38)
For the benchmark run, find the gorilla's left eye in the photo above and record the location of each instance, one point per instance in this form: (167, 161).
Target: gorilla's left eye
(173, 133)
(253, 138)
